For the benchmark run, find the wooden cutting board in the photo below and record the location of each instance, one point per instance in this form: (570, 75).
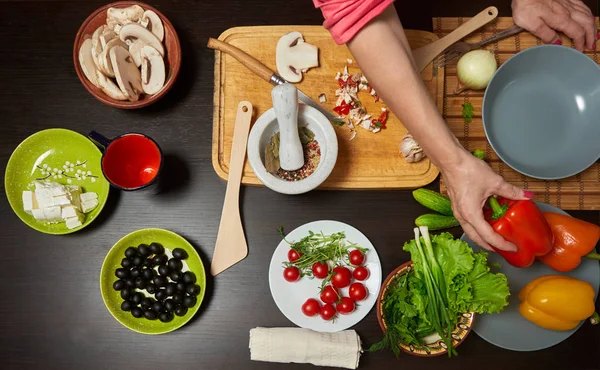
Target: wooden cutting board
(580, 192)
(369, 161)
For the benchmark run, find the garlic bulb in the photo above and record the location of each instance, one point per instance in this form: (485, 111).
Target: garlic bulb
(410, 149)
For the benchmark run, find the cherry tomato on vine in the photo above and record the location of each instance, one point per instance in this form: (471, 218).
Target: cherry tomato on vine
(357, 258)
(327, 312)
(346, 306)
(358, 292)
(294, 255)
(341, 277)
(360, 273)
(291, 274)
(320, 270)
(329, 294)
(311, 307)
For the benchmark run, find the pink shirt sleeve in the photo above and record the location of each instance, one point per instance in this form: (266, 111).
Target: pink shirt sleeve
(344, 18)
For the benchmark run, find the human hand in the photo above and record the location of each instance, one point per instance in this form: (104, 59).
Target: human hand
(544, 17)
(470, 183)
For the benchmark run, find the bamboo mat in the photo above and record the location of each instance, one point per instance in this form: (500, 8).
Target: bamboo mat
(580, 192)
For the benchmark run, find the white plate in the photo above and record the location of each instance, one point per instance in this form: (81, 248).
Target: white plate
(289, 297)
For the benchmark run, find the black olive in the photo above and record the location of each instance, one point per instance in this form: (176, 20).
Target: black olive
(189, 277)
(166, 316)
(181, 310)
(126, 262)
(140, 283)
(160, 281)
(119, 285)
(192, 289)
(137, 312)
(180, 254)
(127, 305)
(151, 288)
(161, 295)
(171, 289)
(148, 274)
(150, 315)
(175, 265)
(131, 252)
(130, 283)
(158, 307)
(138, 260)
(137, 298)
(147, 303)
(163, 270)
(126, 293)
(189, 301)
(148, 262)
(170, 305)
(176, 276)
(181, 287)
(178, 297)
(160, 259)
(157, 248)
(144, 250)
(121, 273)
(135, 272)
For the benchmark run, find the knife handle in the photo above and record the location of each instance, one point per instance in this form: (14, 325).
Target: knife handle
(247, 60)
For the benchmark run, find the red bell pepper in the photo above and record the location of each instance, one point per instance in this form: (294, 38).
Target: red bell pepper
(522, 223)
(573, 239)
(342, 109)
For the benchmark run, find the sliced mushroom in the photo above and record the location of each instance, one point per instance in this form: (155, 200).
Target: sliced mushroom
(132, 32)
(294, 56)
(127, 74)
(122, 15)
(109, 87)
(152, 22)
(104, 57)
(153, 70)
(135, 51)
(106, 36)
(87, 62)
(96, 45)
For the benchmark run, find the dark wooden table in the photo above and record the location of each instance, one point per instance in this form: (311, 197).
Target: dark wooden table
(51, 312)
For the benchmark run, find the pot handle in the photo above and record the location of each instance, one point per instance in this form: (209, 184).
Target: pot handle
(100, 140)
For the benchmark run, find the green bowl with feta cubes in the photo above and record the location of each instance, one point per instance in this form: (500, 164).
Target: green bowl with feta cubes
(54, 182)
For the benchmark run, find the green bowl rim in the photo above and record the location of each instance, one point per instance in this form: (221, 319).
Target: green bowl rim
(203, 274)
(37, 226)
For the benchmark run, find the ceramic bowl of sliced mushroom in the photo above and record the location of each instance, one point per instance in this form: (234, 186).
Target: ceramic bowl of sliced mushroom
(127, 54)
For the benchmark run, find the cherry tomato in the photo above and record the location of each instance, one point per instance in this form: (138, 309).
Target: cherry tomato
(294, 255)
(346, 306)
(291, 274)
(329, 294)
(320, 270)
(311, 307)
(327, 312)
(361, 273)
(341, 277)
(357, 258)
(358, 292)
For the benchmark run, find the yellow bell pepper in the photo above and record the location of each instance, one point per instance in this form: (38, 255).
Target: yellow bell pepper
(557, 302)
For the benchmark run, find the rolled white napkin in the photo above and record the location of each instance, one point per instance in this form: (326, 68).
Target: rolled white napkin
(298, 345)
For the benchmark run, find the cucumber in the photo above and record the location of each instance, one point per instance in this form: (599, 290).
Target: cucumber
(436, 222)
(434, 201)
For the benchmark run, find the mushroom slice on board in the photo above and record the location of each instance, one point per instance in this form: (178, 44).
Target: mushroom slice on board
(96, 45)
(87, 62)
(104, 57)
(294, 56)
(126, 73)
(109, 87)
(135, 50)
(152, 22)
(153, 70)
(132, 32)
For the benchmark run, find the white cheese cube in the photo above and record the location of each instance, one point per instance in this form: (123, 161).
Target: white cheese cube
(70, 211)
(53, 213)
(44, 198)
(27, 201)
(58, 190)
(88, 196)
(38, 214)
(73, 222)
(89, 205)
(62, 200)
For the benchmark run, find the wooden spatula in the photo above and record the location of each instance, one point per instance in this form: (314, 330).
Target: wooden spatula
(231, 246)
(425, 54)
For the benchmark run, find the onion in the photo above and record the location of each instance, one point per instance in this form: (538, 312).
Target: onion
(475, 70)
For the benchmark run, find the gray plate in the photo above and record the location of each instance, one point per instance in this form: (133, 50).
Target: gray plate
(540, 112)
(509, 329)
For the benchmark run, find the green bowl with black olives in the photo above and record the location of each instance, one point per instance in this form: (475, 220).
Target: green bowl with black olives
(152, 281)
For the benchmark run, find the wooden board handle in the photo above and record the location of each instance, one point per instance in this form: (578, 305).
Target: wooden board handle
(246, 59)
(424, 55)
